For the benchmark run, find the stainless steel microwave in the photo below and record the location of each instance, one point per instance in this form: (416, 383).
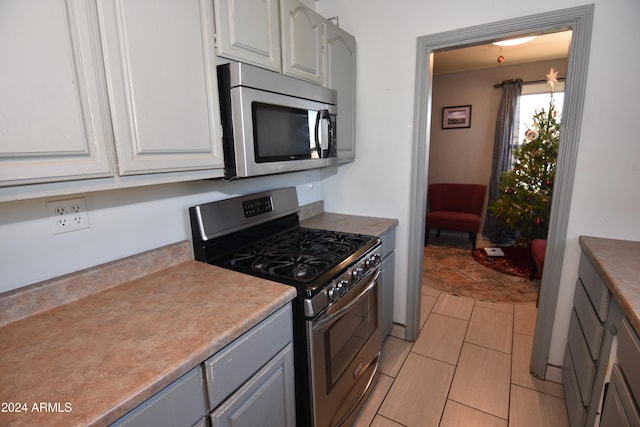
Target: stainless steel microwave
(273, 123)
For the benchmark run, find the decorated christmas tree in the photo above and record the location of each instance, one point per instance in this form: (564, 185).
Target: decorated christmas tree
(526, 191)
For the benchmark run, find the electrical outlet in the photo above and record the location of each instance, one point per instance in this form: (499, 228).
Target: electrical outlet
(67, 215)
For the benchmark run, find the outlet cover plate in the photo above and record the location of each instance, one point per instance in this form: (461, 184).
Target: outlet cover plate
(68, 215)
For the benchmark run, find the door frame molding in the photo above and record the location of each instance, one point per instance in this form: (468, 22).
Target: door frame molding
(579, 20)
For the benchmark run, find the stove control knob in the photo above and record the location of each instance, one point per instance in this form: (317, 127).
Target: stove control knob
(357, 273)
(333, 294)
(342, 287)
(372, 261)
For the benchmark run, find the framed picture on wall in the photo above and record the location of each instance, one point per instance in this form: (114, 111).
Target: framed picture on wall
(456, 117)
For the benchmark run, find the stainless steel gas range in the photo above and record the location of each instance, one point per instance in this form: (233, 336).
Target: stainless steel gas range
(337, 336)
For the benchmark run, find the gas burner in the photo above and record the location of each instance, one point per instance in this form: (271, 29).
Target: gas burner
(298, 255)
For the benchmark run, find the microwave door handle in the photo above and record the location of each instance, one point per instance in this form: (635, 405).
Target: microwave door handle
(324, 115)
(331, 135)
(317, 131)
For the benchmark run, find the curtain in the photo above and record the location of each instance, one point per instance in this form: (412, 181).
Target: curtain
(506, 128)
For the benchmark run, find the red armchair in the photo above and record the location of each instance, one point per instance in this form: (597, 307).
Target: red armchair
(456, 207)
(538, 249)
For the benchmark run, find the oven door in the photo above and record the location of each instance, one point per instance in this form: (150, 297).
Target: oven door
(345, 343)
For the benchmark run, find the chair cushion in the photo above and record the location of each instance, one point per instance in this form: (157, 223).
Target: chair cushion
(452, 220)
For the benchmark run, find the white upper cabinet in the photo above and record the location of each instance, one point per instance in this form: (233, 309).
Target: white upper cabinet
(161, 77)
(302, 38)
(249, 31)
(53, 121)
(340, 74)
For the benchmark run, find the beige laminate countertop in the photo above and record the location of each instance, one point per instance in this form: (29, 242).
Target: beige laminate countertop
(618, 262)
(102, 355)
(370, 226)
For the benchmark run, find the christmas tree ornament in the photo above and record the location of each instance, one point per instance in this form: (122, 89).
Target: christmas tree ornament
(500, 57)
(531, 134)
(552, 78)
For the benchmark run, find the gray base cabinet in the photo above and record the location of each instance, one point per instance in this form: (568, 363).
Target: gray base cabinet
(601, 374)
(387, 274)
(248, 383)
(251, 381)
(592, 331)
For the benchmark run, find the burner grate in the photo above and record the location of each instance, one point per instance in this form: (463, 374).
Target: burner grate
(299, 255)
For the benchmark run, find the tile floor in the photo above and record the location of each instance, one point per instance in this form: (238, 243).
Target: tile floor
(469, 367)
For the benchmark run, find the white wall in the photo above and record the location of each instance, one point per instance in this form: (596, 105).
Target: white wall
(606, 197)
(122, 223)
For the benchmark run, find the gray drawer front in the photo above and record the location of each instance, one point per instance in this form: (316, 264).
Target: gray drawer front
(584, 366)
(595, 287)
(227, 370)
(619, 408)
(575, 409)
(183, 403)
(589, 321)
(629, 357)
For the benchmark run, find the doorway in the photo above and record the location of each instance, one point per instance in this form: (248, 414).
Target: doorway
(579, 20)
(472, 75)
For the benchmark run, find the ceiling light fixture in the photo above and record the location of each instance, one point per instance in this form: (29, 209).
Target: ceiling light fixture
(514, 42)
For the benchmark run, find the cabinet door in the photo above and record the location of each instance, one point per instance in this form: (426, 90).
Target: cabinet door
(249, 31)
(265, 400)
(302, 37)
(340, 74)
(53, 107)
(162, 84)
(619, 408)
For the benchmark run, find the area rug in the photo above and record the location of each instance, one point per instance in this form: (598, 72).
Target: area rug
(517, 260)
(454, 270)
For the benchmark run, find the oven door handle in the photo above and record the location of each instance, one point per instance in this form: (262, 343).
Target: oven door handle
(327, 319)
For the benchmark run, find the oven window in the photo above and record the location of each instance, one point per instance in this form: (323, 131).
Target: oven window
(283, 133)
(344, 339)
